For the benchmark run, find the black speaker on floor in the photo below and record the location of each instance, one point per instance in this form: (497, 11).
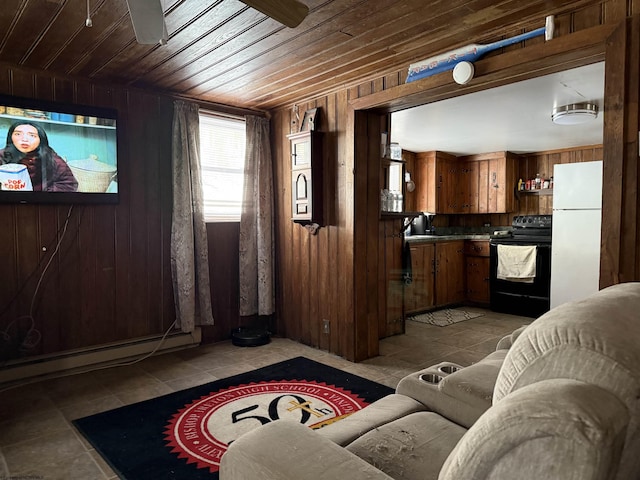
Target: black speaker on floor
(250, 336)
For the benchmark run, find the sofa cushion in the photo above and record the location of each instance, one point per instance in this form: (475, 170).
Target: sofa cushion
(553, 430)
(461, 396)
(413, 447)
(285, 450)
(380, 412)
(594, 340)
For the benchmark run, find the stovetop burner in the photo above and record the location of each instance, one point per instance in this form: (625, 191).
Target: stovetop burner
(525, 222)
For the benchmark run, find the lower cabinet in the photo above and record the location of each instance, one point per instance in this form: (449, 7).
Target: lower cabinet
(477, 271)
(437, 276)
(449, 277)
(419, 294)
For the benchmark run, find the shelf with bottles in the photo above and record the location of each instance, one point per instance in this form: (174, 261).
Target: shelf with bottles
(542, 191)
(535, 186)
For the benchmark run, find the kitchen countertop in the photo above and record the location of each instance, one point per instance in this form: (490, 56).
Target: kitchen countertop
(446, 238)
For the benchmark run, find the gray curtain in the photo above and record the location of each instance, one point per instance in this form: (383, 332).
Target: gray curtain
(189, 254)
(257, 294)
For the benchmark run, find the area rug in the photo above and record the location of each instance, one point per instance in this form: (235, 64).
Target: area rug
(184, 434)
(442, 318)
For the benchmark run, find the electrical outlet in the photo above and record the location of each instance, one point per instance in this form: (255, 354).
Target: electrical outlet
(325, 325)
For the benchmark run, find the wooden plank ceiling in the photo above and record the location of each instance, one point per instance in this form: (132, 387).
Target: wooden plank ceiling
(225, 52)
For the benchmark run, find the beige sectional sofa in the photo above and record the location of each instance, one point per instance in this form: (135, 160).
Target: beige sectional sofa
(558, 399)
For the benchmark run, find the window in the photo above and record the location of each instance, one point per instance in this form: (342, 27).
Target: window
(222, 148)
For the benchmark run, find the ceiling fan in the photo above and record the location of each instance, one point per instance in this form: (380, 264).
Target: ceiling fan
(149, 26)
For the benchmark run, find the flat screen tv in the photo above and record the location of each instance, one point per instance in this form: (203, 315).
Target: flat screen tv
(57, 153)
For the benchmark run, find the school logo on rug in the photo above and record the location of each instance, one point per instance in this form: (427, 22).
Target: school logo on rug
(202, 430)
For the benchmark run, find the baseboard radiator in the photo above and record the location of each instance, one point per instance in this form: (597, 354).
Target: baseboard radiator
(102, 355)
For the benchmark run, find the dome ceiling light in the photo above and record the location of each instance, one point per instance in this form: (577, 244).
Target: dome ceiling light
(574, 114)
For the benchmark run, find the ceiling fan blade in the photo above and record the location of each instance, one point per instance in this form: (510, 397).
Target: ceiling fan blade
(287, 12)
(147, 18)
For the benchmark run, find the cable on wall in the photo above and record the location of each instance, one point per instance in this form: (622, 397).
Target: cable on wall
(35, 270)
(33, 336)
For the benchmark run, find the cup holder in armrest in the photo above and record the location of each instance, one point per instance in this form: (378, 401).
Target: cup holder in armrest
(449, 368)
(431, 378)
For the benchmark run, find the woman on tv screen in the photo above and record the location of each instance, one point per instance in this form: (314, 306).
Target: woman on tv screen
(28, 148)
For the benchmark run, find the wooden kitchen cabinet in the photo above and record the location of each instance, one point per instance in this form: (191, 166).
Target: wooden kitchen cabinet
(435, 176)
(496, 173)
(391, 283)
(477, 271)
(419, 293)
(449, 273)
(438, 276)
(471, 184)
(469, 187)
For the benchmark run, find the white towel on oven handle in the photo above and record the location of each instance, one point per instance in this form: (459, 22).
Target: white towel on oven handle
(517, 263)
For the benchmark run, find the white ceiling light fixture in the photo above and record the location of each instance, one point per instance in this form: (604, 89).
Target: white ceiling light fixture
(463, 72)
(574, 114)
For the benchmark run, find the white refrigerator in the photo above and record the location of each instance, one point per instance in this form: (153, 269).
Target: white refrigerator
(575, 235)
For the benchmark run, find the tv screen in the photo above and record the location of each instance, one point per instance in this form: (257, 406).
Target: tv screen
(57, 153)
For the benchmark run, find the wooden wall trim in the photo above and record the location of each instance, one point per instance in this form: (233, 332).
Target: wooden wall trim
(619, 261)
(569, 51)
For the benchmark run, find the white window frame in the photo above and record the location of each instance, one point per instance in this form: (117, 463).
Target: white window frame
(222, 156)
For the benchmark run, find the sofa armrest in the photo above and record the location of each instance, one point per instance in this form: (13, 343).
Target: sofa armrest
(505, 342)
(461, 396)
(555, 429)
(284, 450)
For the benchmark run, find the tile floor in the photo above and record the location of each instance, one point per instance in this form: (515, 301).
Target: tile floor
(37, 440)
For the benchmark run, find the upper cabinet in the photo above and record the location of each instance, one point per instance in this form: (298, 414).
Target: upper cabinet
(471, 184)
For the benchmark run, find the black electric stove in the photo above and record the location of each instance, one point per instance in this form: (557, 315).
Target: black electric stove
(517, 298)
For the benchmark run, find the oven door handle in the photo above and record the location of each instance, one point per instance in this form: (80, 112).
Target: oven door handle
(539, 245)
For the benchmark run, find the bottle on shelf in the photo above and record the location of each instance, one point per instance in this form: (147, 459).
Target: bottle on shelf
(520, 185)
(384, 200)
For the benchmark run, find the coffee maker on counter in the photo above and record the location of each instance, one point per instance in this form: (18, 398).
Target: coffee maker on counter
(423, 224)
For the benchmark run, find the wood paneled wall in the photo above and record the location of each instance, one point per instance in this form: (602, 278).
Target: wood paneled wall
(315, 271)
(224, 275)
(319, 277)
(111, 278)
(543, 162)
